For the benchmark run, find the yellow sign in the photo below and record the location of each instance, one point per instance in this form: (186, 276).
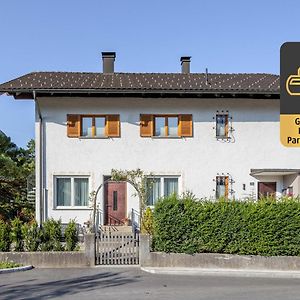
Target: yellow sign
(290, 130)
(293, 84)
(290, 94)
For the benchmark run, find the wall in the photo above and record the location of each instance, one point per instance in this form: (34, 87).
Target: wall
(254, 144)
(214, 260)
(46, 259)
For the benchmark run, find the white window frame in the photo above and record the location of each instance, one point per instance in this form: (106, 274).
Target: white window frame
(72, 177)
(162, 184)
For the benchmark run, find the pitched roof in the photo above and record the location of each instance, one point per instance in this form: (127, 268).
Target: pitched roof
(258, 83)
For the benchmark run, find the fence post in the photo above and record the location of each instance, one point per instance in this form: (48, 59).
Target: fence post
(144, 250)
(90, 248)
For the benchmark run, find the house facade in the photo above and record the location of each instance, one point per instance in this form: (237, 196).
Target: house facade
(216, 135)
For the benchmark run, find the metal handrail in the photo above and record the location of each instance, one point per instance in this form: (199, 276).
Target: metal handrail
(135, 220)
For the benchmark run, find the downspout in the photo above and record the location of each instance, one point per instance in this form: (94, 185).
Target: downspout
(41, 162)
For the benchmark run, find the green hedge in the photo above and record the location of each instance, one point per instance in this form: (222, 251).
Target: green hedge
(265, 227)
(19, 236)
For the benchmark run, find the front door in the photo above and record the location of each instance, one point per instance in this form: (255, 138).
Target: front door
(266, 189)
(115, 203)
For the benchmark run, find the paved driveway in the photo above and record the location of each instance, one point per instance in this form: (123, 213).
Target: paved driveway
(132, 283)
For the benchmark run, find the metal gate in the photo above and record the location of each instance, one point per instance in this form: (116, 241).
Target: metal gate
(117, 248)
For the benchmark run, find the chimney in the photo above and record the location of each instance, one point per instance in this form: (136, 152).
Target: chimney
(108, 59)
(185, 64)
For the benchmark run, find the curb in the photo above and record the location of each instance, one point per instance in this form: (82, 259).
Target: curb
(223, 272)
(17, 269)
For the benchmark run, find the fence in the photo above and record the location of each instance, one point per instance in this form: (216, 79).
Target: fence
(117, 248)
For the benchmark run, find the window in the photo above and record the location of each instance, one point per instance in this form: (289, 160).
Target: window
(158, 187)
(87, 127)
(166, 125)
(72, 191)
(115, 200)
(170, 186)
(221, 186)
(221, 125)
(93, 126)
(153, 185)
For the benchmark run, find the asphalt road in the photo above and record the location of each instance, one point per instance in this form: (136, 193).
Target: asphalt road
(132, 283)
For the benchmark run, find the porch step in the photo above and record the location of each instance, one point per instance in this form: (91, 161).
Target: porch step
(113, 228)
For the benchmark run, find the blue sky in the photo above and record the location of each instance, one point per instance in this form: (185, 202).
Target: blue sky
(148, 36)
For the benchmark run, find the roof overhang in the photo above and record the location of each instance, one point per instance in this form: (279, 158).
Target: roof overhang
(28, 94)
(273, 172)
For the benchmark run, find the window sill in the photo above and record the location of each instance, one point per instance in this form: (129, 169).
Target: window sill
(93, 137)
(72, 208)
(167, 137)
(223, 138)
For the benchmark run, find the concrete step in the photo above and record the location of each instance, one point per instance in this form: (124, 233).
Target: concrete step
(114, 228)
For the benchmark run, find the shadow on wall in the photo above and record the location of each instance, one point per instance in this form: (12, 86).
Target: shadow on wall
(204, 110)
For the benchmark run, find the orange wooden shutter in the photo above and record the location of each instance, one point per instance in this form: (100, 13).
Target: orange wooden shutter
(226, 186)
(185, 125)
(146, 125)
(113, 125)
(73, 126)
(226, 125)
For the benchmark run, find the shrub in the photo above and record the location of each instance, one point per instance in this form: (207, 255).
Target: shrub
(71, 235)
(8, 265)
(16, 232)
(147, 221)
(5, 238)
(265, 227)
(50, 235)
(31, 236)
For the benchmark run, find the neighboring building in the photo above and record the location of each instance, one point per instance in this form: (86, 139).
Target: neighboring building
(212, 134)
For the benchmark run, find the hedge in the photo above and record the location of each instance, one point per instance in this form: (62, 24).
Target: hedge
(265, 227)
(18, 236)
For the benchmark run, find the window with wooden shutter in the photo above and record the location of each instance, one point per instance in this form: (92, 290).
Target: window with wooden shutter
(222, 126)
(166, 125)
(93, 126)
(146, 125)
(222, 187)
(113, 125)
(73, 125)
(186, 125)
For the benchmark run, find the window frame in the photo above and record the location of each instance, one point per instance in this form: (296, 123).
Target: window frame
(226, 136)
(72, 206)
(162, 186)
(93, 127)
(166, 126)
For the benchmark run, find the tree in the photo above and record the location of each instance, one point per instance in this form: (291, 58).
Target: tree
(16, 164)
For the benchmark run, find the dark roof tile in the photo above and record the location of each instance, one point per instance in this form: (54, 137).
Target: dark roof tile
(193, 82)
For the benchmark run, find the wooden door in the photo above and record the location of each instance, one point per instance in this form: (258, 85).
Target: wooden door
(115, 203)
(266, 189)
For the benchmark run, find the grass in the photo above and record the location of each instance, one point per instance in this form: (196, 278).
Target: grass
(8, 265)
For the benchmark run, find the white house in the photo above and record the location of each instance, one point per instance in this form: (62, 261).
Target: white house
(212, 134)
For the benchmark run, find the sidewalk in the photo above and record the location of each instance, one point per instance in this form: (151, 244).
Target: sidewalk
(223, 272)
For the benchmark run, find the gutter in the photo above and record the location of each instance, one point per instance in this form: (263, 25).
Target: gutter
(41, 161)
(137, 92)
